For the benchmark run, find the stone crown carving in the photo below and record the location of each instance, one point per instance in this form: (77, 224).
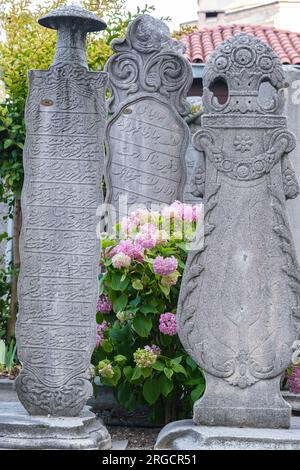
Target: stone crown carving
(148, 60)
(243, 62)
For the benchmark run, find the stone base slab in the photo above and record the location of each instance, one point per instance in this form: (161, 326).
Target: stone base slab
(19, 430)
(293, 399)
(185, 435)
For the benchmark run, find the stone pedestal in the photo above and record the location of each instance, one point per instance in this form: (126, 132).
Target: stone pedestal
(224, 404)
(185, 435)
(294, 400)
(19, 430)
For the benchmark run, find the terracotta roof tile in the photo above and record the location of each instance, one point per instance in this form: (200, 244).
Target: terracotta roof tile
(200, 44)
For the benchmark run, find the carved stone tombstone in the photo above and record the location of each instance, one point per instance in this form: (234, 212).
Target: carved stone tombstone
(239, 310)
(63, 160)
(146, 138)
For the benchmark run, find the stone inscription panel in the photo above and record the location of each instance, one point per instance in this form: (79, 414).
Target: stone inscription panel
(146, 142)
(58, 285)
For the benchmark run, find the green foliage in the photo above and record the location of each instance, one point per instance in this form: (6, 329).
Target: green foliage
(7, 356)
(151, 367)
(4, 291)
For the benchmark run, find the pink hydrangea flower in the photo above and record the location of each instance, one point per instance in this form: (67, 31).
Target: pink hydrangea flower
(144, 216)
(129, 248)
(127, 225)
(167, 324)
(146, 240)
(100, 330)
(104, 305)
(165, 266)
(148, 229)
(120, 260)
(180, 211)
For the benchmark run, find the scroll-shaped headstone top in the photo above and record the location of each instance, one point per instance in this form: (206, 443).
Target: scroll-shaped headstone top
(73, 23)
(147, 138)
(148, 60)
(238, 311)
(243, 62)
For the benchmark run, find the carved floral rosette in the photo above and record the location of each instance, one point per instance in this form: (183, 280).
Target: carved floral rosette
(146, 137)
(238, 312)
(63, 161)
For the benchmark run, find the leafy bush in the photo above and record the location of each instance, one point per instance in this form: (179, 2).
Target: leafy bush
(138, 351)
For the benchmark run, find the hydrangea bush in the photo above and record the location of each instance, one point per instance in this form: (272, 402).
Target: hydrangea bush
(138, 350)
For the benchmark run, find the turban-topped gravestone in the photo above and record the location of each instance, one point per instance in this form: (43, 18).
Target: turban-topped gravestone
(63, 161)
(239, 310)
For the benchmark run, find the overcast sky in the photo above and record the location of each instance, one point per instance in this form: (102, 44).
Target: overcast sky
(179, 10)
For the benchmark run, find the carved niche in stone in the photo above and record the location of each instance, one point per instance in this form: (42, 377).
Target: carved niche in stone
(147, 138)
(239, 310)
(63, 161)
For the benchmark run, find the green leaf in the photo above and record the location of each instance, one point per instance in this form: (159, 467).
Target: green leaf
(120, 303)
(106, 346)
(120, 359)
(151, 390)
(116, 377)
(177, 359)
(148, 309)
(146, 372)
(197, 392)
(128, 371)
(117, 282)
(137, 284)
(166, 385)
(191, 363)
(158, 366)
(165, 290)
(178, 368)
(99, 318)
(125, 395)
(8, 143)
(168, 372)
(142, 325)
(120, 334)
(137, 372)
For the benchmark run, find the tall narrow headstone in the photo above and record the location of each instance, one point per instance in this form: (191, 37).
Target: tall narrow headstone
(239, 305)
(147, 138)
(240, 299)
(63, 160)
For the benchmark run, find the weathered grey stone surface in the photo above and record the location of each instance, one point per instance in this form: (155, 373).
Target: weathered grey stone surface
(63, 160)
(193, 158)
(18, 430)
(185, 435)
(239, 308)
(292, 103)
(146, 138)
(8, 390)
(293, 399)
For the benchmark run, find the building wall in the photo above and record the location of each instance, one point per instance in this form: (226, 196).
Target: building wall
(282, 14)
